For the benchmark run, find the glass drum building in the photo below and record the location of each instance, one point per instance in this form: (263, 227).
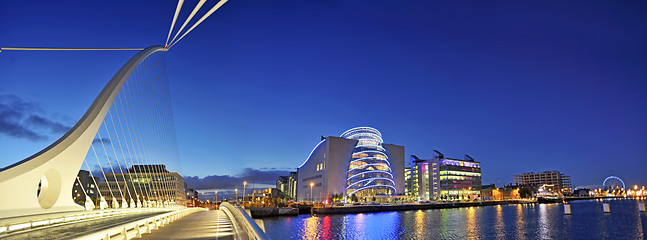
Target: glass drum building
(369, 171)
(358, 163)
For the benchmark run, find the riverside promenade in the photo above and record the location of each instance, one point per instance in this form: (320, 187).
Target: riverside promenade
(212, 224)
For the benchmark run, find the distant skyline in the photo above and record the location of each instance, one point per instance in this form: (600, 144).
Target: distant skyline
(519, 86)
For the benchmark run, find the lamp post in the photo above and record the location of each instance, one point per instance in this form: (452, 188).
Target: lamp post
(311, 185)
(236, 195)
(244, 185)
(216, 200)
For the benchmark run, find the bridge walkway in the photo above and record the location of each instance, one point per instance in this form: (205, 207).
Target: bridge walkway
(213, 224)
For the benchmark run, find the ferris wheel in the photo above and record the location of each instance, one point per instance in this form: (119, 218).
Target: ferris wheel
(613, 182)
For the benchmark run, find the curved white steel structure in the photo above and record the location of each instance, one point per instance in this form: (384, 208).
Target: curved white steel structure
(57, 166)
(613, 177)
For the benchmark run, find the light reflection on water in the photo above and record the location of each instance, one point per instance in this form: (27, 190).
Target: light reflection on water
(516, 221)
(498, 223)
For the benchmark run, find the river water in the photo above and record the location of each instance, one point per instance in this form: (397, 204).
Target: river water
(515, 221)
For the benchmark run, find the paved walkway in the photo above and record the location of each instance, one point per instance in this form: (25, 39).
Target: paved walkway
(212, 224)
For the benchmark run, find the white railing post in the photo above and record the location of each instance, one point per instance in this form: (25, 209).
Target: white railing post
(139, 233)
(125, 233)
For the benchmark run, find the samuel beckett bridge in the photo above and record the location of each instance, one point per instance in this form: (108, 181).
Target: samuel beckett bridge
(107, 177)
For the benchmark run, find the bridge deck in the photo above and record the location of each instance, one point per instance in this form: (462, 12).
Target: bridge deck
(77, 229)
(212, 224)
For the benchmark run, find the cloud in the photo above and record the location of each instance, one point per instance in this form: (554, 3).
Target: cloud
(265, 176)
(23, 119)
(38, 121)
(99, 140)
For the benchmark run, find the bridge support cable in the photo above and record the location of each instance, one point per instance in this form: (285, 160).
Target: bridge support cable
(102, 172)
(130, 155)
(112, 169)
(177, 11)
(144, 128)
(195, 10)
(85, 193)
(151, 121)
(147, 174)
(158, 82)
(213, 9)
(121, 171)
(154, 148)
(67, 49)
(123, 156)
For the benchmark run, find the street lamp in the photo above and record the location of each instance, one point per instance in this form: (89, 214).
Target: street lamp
(311, 185)
(244, 185)
(216, 201)
(236, 195)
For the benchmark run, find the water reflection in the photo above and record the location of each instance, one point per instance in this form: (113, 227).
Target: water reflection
(498, 223)
(420, 224)
(527, 221)
(471, 226)
(520, 223)
(310, 228)
(543, 222)
(325, 228)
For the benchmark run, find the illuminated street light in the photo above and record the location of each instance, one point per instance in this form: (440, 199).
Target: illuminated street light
(236, 195)
(244, 185)
(311, 185)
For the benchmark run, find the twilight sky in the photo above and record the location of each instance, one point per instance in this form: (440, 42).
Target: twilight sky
(519, 86)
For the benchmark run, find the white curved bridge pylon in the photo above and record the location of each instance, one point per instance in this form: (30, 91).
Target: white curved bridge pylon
(57, 166)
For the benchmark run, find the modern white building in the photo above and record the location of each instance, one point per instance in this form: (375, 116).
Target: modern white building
(357, 164)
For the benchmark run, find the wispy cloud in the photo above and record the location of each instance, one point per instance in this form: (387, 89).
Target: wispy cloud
(24, 119)
(101, 140)
(265, 176)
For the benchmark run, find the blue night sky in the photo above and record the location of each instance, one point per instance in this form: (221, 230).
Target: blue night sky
(520, 86)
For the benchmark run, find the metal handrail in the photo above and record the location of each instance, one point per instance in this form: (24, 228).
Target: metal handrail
(48, 219)
(137, 228)
(241, 218)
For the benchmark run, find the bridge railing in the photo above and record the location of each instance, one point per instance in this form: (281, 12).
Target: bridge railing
(9, 225)
(245, 227)
(137, 228)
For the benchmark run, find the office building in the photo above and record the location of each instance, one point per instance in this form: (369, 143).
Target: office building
(441, 178)
(554, 181)
(85, 188)
(144, 183)
(287, 184)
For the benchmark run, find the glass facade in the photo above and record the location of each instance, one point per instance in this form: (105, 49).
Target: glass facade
(369, 171)
(459, 178)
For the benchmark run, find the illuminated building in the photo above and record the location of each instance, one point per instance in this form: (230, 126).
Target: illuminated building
(444, 178)
(84, 183)
(288, 184)
(357, 164)
(144, 182)
(411, 183)
(558, 181)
